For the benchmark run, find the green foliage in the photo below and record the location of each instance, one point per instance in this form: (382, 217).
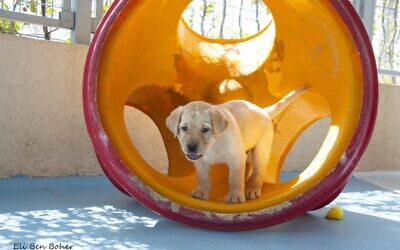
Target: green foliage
(210, 8)
(49, 9)
(18, 25)
(105, 8)
(38, 7)
(106, 5)
(5, 26)
(3, 5)
(9, 27)
(33, 6)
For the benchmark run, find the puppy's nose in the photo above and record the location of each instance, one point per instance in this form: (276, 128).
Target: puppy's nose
(192, 147)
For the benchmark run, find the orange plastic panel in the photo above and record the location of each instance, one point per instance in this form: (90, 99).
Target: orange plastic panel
(151, 60)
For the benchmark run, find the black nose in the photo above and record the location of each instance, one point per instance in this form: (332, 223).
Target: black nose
(192, 147)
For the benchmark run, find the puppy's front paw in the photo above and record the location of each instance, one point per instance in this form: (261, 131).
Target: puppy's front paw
(199, 193)
(253, 193)
(234, 198)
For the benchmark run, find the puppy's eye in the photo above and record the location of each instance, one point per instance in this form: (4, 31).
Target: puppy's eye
(184, 128)
(205, 130)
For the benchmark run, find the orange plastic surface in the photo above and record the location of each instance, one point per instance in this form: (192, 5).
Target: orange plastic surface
(154, 62)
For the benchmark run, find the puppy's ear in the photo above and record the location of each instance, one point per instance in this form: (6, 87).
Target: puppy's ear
(174, 119)
(219, 121)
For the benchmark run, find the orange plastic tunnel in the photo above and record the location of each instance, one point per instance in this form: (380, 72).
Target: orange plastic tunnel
(144, 55)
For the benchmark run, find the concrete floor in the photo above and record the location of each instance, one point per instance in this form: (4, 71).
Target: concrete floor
(89, 213)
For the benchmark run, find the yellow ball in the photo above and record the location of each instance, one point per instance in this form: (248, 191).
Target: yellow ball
(335, 213)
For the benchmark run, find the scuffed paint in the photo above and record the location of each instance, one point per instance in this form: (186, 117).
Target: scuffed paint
(104, 138)
(176, 208)
(144, 188)
(344, 159)
(249, 215)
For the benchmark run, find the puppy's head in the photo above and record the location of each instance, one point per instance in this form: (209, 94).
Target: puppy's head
(196, 125)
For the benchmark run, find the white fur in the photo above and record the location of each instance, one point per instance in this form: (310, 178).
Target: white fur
(245, 133)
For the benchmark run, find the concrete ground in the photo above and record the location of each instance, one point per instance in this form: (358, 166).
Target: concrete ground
(89, 213)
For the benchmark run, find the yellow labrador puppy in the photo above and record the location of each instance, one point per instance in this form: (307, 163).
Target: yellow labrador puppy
(232, 133)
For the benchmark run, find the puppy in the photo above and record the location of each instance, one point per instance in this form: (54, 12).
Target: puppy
(232, 133)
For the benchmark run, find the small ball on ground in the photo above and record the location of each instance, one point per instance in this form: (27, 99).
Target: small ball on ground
(335, 213)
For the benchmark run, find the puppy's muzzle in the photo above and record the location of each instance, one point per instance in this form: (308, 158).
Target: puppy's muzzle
(191, 150)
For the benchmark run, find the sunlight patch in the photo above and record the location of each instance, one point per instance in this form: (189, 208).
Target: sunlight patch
(382, 204)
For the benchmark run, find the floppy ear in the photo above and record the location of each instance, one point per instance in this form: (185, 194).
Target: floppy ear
(219, 121)
(174, 119)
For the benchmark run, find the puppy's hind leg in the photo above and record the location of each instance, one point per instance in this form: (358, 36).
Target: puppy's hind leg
(261, 154)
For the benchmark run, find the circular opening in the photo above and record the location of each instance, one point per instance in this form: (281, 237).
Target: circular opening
(229, 39)
(147, 139)
(305, 149)
(227, 19)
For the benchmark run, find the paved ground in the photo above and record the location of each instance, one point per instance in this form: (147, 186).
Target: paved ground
(89, 213)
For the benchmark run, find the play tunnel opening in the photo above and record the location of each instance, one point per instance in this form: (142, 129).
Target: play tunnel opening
(304, 149)
(231, 39)
(146, 138)
(227, 19)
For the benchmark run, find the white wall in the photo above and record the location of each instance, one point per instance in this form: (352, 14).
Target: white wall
(43, 132)
(383, 152)
(42, 128)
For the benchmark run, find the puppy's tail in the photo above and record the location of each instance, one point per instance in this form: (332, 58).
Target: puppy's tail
(278, 107)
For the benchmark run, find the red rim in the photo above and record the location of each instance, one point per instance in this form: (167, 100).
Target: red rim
(122, 178)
